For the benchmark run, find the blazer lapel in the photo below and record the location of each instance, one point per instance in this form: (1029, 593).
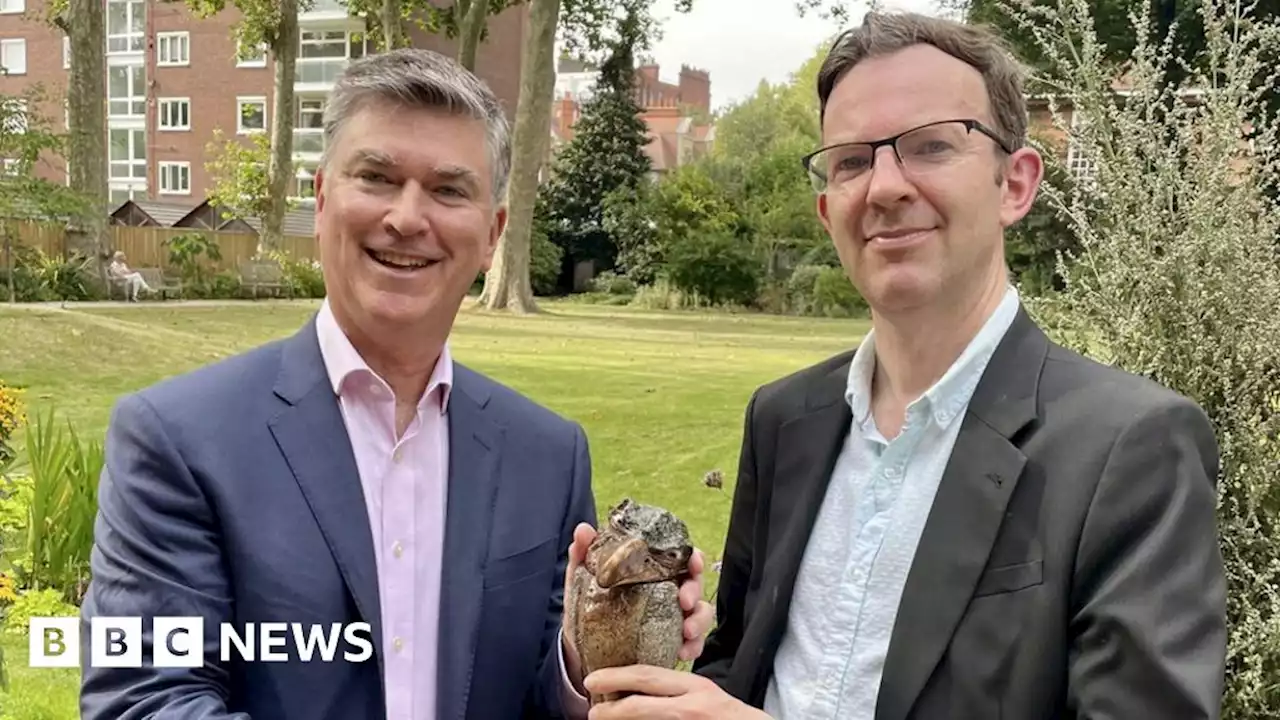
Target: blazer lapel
(312, 435)
(966, 517)
(473, 484)
(808, 447)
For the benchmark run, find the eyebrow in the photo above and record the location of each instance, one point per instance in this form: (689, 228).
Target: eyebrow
(445, 172)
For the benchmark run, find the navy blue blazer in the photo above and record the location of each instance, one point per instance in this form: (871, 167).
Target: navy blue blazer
(231, 492)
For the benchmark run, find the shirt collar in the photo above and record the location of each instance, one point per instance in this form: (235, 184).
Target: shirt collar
(952, 391)
(343, 361)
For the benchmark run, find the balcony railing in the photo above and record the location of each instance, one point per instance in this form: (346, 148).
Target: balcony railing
(318, 72)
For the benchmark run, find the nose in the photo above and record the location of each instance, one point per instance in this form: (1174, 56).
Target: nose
(888, 186)
(407, 216)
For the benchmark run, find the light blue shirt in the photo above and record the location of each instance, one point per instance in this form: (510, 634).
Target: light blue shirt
(865, 537)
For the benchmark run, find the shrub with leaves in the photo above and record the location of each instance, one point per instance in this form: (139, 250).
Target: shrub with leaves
(1176, 275)
(12, 416)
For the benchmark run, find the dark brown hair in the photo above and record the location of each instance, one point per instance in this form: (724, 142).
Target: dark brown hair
(886, 33)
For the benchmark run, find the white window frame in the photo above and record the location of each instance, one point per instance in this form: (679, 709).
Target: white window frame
(243, 100)
(12, 7)
(133, 41)
(136, 99)
(132, 163)
(165, 107)
(6, 47)
(254, 62)
(66, 52)
(1082, 167)
(170, 43)
(15, 117)
(178, 170)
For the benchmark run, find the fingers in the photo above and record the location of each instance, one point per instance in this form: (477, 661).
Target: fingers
(696, 563)
(643, 679)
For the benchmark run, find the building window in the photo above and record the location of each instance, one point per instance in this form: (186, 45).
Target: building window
(13, 57)
(126, 91)
(11, 167)
(1080, 163)
(175, 178)
(322, 44)
(175, 114)
(126, 26)
(173, 48)
(128, 154)
(12, 7)
(13, 116)
(311, 114)
(256, 60)
(251, 114)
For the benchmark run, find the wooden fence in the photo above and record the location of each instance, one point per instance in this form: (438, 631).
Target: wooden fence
(144, 247)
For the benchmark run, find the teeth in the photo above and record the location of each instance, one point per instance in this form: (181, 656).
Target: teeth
(398, 260)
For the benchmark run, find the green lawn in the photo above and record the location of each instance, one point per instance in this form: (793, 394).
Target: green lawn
(660, 394)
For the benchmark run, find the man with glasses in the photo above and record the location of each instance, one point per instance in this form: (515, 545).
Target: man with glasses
(959, 518)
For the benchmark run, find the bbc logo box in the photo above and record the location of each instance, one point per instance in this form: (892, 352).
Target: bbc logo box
(116, 642)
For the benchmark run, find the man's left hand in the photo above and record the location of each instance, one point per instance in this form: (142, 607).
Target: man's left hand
(664, 695)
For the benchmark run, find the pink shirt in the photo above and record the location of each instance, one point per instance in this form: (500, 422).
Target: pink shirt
(405, 484)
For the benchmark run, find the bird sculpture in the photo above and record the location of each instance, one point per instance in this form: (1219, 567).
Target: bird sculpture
(623, 606)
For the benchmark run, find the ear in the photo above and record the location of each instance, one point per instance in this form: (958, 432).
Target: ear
(498, 227)
(823, 212)
(1023, 172)
(320, 184)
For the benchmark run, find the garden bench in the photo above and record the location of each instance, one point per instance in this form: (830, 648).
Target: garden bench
(257, 276)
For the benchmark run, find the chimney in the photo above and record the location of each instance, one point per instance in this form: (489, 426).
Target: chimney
(695, 88)
(566, 115)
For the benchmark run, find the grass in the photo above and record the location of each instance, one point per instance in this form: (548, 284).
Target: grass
(660, 394)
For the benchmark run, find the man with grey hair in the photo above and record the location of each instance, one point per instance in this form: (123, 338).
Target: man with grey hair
(354, 472)
(958, 518)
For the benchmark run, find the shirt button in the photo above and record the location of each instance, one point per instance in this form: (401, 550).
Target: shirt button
(396, 455)
(397, 549)
(397, 644)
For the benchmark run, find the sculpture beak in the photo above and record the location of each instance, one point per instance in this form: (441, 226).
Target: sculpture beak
(625, 563)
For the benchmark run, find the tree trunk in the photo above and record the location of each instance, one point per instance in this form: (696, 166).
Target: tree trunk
(507, 284)
(472, 28)
(391, 27)
(280, 169)
(87, 121)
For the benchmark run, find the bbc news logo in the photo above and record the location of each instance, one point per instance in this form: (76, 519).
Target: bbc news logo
(178, 642)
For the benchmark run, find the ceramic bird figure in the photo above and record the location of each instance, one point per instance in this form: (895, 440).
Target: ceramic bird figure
(623, 606)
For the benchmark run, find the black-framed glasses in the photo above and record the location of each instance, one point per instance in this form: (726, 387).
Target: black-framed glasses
(919, 151)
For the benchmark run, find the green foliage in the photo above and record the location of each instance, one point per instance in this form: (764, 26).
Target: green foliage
(28, 143)
(544, 261)
(426, 15)
(259, 20)
(1177, 278)
(823, 290)
(717, 267)
(1033, 245)
(41, 277)
(36, 603)
(187, 252)
(606, 156)
(686, 203)
(240, 183)
(304, 277)
(63, 504)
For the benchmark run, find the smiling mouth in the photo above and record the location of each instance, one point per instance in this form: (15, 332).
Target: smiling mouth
(900, 237)
(398, 261)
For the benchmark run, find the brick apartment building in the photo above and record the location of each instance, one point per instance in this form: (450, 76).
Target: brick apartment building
(172, 79)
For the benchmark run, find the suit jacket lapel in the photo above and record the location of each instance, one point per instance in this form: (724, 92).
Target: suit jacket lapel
(312, 435)
(808, 447)
(966, 517)
(473, 484)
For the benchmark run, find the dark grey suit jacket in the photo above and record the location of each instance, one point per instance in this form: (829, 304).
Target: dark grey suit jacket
(1070, 566)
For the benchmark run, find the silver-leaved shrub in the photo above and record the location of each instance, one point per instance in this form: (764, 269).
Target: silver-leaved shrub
(1177, 276)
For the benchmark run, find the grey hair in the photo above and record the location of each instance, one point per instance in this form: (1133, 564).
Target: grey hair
(420, 78)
